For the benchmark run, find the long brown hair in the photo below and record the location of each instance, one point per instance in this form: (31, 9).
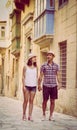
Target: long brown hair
(29, 63)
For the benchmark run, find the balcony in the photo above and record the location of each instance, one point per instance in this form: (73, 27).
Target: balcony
(25, 2)
(16, 31)
(20, 4)
(16, 47)
(44, 27)
(3, 44)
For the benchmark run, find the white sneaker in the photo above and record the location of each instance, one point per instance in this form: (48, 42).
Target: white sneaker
(43, 118)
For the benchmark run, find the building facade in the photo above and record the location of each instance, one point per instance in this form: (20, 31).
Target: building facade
(65, 47)
(38, 26)
(3, 25)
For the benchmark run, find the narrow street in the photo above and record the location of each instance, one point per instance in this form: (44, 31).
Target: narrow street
(11, 118)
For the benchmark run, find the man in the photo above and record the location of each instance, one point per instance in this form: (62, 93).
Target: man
(50, 74)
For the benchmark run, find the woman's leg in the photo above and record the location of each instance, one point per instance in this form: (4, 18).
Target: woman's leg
(25, 102)
(31, 99)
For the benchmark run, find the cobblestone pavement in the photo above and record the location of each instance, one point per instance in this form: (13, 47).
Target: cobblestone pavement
(11, 118)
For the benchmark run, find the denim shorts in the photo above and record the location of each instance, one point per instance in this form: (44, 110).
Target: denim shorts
(31, 88)
(51, 92)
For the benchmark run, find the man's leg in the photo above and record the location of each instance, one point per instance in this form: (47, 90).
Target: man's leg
(53, 96)
(44, 105)
(52, 106)
(45, 99)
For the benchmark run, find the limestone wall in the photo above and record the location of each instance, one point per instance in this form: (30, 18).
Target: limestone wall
(65, 29)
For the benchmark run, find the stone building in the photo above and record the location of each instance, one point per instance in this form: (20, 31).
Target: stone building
(5, 77)
(38, 26)
(3, 46)
(65, 47)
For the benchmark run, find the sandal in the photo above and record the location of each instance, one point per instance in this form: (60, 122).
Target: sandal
(51, 119)
(24, 118)
(30, 118)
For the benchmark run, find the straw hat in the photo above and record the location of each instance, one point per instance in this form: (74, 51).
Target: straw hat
(51, 52)
(31, 55)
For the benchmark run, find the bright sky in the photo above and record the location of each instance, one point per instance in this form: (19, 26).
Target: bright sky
(3, 10)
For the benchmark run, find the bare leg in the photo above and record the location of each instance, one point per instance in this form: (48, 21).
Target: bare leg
(25, 102)
(52, 106)
(31, 99)
(44, 105)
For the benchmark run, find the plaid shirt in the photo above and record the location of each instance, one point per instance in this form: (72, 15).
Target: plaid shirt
(50, 72)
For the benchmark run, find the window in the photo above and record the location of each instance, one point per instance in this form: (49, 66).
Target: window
(7, 82)
(43, 17)
(39, 9)
(51, 3)
(40, 26)
(13, 68)
(40, 6)
(8, 59)
(63, 61)
(8, 55)
(29, 45)
(62, 2)
(2, 32)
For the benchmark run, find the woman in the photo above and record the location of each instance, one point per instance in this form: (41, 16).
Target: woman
(29, 85)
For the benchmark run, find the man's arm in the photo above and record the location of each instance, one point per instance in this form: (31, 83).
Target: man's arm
(59, 79)
(40, 80)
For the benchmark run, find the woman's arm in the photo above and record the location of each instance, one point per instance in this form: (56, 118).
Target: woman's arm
(40, 80)
(23, 76)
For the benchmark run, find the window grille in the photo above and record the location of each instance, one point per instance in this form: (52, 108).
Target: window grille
(2, 32)
(63, 61)
(62, 2)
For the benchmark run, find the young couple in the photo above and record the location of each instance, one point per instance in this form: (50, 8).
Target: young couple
(49, 72)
